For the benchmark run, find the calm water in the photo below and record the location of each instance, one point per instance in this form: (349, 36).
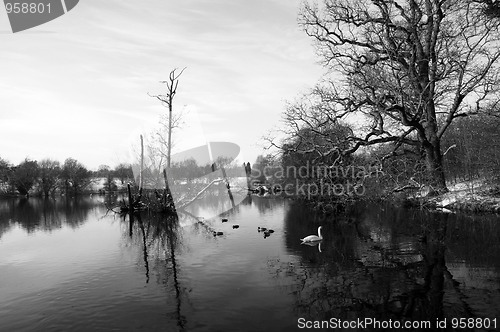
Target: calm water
(67, 266)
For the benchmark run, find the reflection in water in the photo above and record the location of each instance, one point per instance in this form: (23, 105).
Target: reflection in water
(219, 204)
(313, 244)
(152, 272)
(144, 245)
(44, 214)
(380, 262)
(210, 201)
(160, 240)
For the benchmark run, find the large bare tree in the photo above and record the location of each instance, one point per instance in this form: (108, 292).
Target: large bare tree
(406, 68)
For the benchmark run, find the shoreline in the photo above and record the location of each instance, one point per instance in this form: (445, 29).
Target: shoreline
(471, 196)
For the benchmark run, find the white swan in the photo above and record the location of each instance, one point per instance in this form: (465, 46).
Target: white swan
(313, 238)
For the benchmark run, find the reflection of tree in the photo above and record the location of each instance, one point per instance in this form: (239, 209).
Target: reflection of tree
(265, 205)
(44, 214)
(214, 202)
(76, 209)
(158, 237)
(472, 257)
(434, 270)
(144, 243)
(373, 264)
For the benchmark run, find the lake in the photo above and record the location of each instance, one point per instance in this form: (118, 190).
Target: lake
(71, 265)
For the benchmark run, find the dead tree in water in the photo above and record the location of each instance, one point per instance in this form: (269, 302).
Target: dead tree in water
(168, 200)
(228, 185)
(168, 99)
(165, 201)
(248, 173)
(134, 203)
(141, 179)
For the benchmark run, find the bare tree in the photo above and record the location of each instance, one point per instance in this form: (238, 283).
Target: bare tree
(159, 142)
(25, 175)
(405, 68)
(173, 121)
(75, 176)
(50, 172)
(5, 168)
(123, 172)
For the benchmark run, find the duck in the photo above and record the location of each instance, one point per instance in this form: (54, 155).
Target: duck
(220, 233)
(236, 226)
(313, 238)
(224, 220)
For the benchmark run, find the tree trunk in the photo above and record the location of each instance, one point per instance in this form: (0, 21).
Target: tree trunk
(169, 130)
(432, 147)
(434, 167)
(141, 170)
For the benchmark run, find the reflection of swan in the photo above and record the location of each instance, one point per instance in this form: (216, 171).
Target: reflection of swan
(313, 244)
(313, 238)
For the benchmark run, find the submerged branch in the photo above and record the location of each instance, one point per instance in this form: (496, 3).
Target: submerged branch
(182, 206)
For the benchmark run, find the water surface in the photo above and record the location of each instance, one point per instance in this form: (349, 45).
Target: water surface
(66, 265)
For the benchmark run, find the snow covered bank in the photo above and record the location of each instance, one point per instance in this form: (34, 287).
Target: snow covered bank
(475, 196)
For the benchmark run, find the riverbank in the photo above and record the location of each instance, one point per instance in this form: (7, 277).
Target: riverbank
(471, 196)
(97, 186)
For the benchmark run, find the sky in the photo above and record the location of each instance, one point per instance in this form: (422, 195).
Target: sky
(78, 86)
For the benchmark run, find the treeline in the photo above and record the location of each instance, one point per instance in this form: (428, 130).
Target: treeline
(474, 149)
(313, 161)
(471, 150)
(188, 171)
(49, 177)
